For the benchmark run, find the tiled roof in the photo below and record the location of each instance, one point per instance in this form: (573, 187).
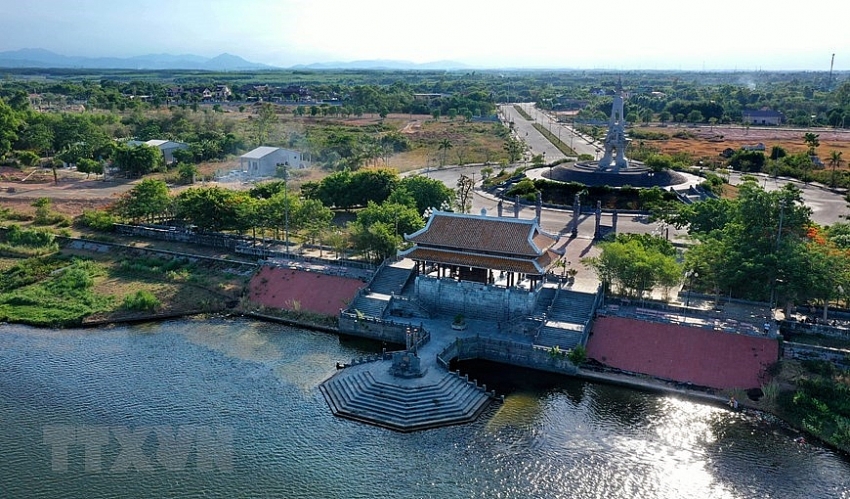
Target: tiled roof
(482, 234)
(534, 266)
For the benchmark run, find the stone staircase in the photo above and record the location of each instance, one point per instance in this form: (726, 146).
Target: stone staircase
(369, 305)
(390, 280)
(545, 298)
(438, 399)
(564, 325)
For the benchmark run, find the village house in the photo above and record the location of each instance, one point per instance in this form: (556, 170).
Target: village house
(166, 146)
(762, 117)
(264, 160)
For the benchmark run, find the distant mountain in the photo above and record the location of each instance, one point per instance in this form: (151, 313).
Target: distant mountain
(385, 64)
(40, 58)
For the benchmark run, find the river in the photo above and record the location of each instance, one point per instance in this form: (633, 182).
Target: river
(231, 408)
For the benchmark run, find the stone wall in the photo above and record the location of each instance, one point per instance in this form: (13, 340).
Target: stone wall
(791, 328)
(375, 329)
(473, 300)
(507, 352)
(800, 351)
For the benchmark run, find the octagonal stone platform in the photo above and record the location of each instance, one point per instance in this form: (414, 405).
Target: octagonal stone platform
(369, 394)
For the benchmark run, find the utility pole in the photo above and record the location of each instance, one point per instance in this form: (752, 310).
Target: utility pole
(285, 209)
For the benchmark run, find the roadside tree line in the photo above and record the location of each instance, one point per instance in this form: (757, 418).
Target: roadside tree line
(386, 208)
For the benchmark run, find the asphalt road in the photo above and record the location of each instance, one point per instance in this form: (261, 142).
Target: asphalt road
(536, 141)
(828, 207)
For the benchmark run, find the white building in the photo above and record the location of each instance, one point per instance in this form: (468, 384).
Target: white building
(166, 146)
(264, 160)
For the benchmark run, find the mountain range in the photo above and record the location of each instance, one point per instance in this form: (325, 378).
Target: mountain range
(41, 58)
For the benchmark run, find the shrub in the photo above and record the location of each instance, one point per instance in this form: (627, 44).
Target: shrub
(142, 301)
(97, 220)
(577, 355)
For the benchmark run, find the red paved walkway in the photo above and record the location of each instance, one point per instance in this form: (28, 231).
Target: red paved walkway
(293, 289)
(700, 356)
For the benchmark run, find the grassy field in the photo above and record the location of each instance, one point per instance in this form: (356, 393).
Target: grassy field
(75, 287)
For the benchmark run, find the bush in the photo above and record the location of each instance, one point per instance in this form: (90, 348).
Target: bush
(97, 220)
(577, 355)
(141, 301)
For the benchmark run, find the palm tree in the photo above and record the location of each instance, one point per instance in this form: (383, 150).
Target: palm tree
(834, 161)
(444, 146)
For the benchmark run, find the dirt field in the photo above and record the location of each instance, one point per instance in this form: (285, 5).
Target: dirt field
(708, 142)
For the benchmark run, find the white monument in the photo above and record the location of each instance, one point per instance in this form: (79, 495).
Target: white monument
(615, 141)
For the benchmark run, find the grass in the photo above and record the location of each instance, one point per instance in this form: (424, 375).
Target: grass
(522, 112)
(61, 297)
(564, 148)
(70, 289)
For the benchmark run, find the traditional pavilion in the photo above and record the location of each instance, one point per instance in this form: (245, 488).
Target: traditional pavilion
(473, 248)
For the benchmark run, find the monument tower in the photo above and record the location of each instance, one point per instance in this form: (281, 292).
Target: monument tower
(615, 141)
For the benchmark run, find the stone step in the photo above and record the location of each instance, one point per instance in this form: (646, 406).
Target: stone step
(436, 408)
(446, 390)
(450, 400)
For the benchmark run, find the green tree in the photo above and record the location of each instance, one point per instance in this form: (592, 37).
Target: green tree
(444, 147)
(636, 263)
(147, 200)
(515, 149)
(426, 192)
(10, 123)
(215, 209)
(136, 161)
(834, 162)
(87, 166)
(812, 141)
(695, 117)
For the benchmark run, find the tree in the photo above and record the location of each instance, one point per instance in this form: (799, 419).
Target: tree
(148, 199)
(187, 172)
(9, 125)
(515, 149)
(812, 141)
(139, 160)
(463, 194)
(266, 117)
(426, 192)
(636, 263)
(444, 147)
(695, 117)
(214, 209)
(834, 162)
(87, 166)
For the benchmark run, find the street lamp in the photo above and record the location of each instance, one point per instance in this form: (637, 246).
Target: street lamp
(691, 275)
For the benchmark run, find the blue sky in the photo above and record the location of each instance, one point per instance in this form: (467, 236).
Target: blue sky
(613, 34)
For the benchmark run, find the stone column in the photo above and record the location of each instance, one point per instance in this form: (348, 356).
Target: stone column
(500, 208)
(516, 206)
(597, 233)
(539, 207)
(614, 222)
(576, 214)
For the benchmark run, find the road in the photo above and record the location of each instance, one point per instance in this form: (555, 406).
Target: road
(536, 141)
(827, 206)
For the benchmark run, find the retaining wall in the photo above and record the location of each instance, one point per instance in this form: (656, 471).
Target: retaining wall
(472, 299)
(506, 352)
(375, 329)
(800, 351)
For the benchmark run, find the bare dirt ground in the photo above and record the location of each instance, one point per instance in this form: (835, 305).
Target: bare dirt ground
(711, 141)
